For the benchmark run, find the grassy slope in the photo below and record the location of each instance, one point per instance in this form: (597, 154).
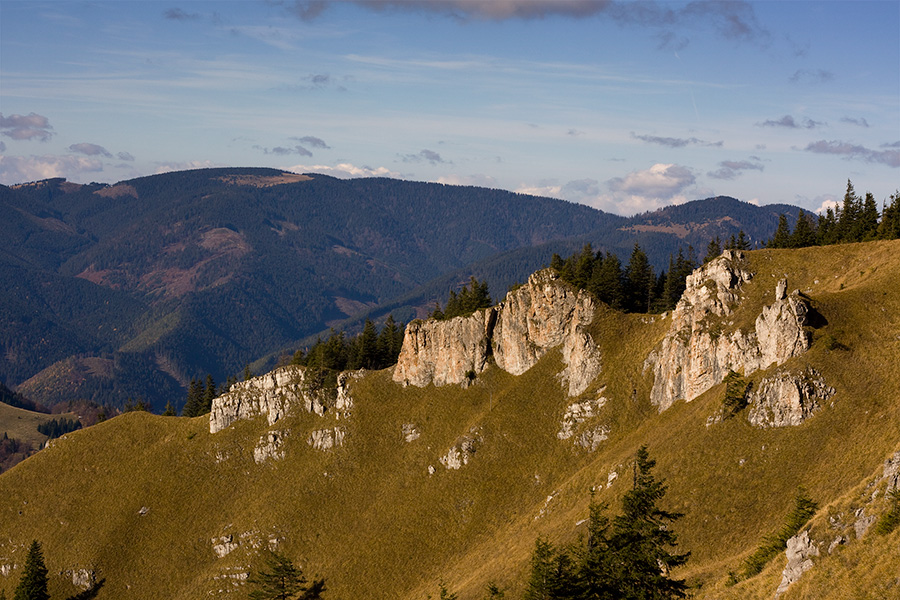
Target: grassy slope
(22, 424)
(370, 517)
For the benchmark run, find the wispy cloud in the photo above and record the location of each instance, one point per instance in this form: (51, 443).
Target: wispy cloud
(90, 150)
(26, 127)
(125, 156)
(177, 14)
(730, 169)
(425, 155)
(285, 151)
(731, 20)
(889, 157)
(789, 122)
(671, 142)
(808, 76)
(313, 141)
(861, 122)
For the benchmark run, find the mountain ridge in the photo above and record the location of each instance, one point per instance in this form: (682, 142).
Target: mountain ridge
(360, 493)
(206, 271)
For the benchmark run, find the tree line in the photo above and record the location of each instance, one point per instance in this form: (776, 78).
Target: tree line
(370, 349)
(856, 219)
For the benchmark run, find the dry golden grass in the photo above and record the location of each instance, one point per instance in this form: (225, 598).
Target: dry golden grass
(371, 518)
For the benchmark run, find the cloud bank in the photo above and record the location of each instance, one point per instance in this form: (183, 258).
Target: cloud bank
(889, 157)
(26, 127)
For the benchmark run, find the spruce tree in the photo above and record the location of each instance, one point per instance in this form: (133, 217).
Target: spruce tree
(803, 235)
(782, 237)
(606, 285)
(641, 540)
(713, 249)
(639, 281)
(33, 582)
(280, 579)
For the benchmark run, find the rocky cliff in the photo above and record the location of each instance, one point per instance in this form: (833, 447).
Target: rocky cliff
(544, 313)
(275, 394)
(699, 350)
(445, 352)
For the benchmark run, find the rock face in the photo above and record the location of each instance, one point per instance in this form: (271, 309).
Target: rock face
(444, 352)
(799, 550)
(276, 393)
(542, 314)
(697, 352)
(787, 398)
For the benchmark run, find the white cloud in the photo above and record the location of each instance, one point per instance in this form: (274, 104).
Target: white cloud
(345, 171)
(477, 180)
(827, 202)
(660, 181)
(185, 166)
(19, 169)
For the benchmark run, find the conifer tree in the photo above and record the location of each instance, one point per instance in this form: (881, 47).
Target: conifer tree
(209, 393)
(33, 582)
(639, 281)
(803, 235)
(606, 284)
(868, 219)
(641, 539)
(782, 237)
(713, 249)
(170, 410)
(889, 227)
(280, 579)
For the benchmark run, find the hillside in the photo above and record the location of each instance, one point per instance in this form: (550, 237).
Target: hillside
(360, 483)
(173, 276)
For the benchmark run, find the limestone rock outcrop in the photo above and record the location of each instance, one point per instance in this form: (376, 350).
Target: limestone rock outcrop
(799, 551)
(445, 352)
(785, 398)
(698, 352)
(276, 393)
(542, 314)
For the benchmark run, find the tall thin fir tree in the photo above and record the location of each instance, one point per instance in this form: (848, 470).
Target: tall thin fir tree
(33, 583)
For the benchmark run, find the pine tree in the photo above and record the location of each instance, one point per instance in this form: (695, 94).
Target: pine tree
(713, 249)
(194, 403)
(170, 410)
(540, 583)
(803, 235)
(606, 284)
(889, 227)
(782, 237)
(209, 393)
(366, 348)
(33, 583)
(639, 281)
(280, 579)
(641, 540)
(848, 229)
(868, 219)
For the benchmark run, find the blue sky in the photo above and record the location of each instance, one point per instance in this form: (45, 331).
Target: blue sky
(624, 106)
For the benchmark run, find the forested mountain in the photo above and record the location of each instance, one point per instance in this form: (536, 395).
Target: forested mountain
(130, 290)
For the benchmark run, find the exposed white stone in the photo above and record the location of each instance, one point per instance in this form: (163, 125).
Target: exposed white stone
(462, 451)
(578, 413)
(799, 551)
(276, 393)
(326, 439)
(696, 354)
(445, 352)
(787, 398)
(224, 545)
(592, 438)
(410, 432)
(544, 313)
(269, 446)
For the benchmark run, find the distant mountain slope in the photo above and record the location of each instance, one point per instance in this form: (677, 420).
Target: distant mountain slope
(181, 274)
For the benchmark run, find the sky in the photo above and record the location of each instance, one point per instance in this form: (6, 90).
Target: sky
(623, 106)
